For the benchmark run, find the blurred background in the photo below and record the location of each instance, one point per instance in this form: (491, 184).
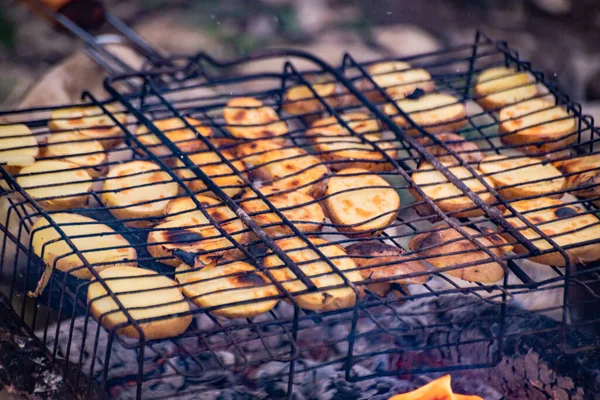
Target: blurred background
(560, 37)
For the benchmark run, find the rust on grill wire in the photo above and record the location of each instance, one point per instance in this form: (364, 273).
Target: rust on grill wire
(208, 221)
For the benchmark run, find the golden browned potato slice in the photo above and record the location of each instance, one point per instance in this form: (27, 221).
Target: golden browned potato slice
(360, 123)
(501, 86)
(78, 149)
(218, 285)
(138, 190)
(565, 224)
(299, 208)
(175, 130)
(386, 262)
(360, 203)
(434, 245)
(435, 112)
(249, 118)
(467, 151)
(285, 167)
(212, 165)
(538, 125)
(507, 172)
(319, 272)
(56, 184)
(18, 147)
(583, 176)
(300, 100)
(397, 78)
(158, 294)
(448, 197)
(92, 122)
(101, 246)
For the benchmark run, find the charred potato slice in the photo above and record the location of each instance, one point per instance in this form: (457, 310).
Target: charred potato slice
(92, 122)
(158, 294)
(101, 246)
(397, 78)
(435, 112)
(511, 176)
(319, 272)
(440, 245)
(137, 192)
(176, 131)
(467, 151)
(565, 224)
(18, 147)
(249, 118)
(218, 285)
(386, 262)
(360, 203)
(301, 209)
(78, 149)
(537, 126)
(501, 86)
(583, 176)
(448, 197)
(212, 165)
(56, 184)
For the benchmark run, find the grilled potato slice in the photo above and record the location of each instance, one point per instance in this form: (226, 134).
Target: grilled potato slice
(288, 168)
(99, 244)
(565, 224)
(507, 172)
(301, 209)
(434, 245)
(300, 100)
(18, 147)
(218, 285)
(138, 190)
(467, 151)
(78, 149)
(386, 262)
(583, 176)
(538, 125)
(501, 86)
(361, 123)
(397, 78)
(360, 203)
(159, 294)
(310, 263)
(212, 165)
(56, 184)
(448, 197)
(92, 122)
(249, 118)
(175, 130)
(436, 112)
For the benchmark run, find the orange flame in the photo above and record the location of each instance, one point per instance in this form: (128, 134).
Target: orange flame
(439, 389)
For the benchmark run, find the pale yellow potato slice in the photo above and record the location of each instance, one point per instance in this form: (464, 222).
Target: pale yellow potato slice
(241, 282)
(78, 149)
(100, 245)
(397, 78)
(434, 245)
(249, 118)
(301, 209)
(319, 272)
(583, 176)
(565, 224)
(18, 151)
(158, 294)
(537, 126)
(215, 168)
(448, 197)
(138, 190)
(435, 112)
(467, 151)
(92, 122)
(360, 203)
(501, 86)
(57, 178)
(175, 130)
(501, 170)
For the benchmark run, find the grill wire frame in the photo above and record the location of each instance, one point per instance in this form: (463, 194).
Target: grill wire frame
(361, 310)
